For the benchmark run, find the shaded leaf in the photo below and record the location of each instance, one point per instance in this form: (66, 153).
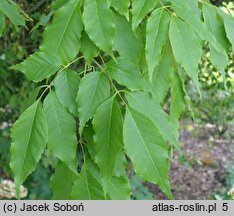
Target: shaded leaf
(88, 48)
(178, 94)
(118, 187)
(86, 187)
(61, 182)
(2, 23)
(162, 76)
(94, 89)
(126, 43)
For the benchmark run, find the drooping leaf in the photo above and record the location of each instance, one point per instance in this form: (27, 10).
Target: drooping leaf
(118, 187)
(162, 76)
(216, 26)
(89, 134)
(108, 127)
(178, 95)
(184, 10)
(39, 66)
(66, 87)
(156, 37)
(121, 6)
(140, 8)
(29, 137)
(99, 24)
(228, 23)
(62, 140)
(186, 47)
(126, 73)
(126, 43)
(12, 12)
(146, 149)
(94, 89)
(63, 35)
(86, 187)
(88, 48)
(62, 181)
(147, 105)
(191, 14)
(2, 23)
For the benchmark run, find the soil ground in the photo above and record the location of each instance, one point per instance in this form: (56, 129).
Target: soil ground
(206, 159)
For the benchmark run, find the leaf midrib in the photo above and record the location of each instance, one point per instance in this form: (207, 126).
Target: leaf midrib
(100, 24)
(28, 140)
(69, 20)
(142, 139)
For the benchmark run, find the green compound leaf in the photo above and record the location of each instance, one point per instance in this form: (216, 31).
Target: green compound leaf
(88, 48)
(12, 12)
(99, 24)
(153, 111)
(62, 131)
(61, 182)
(94, 89)
(147, 150)
(108, 127)
(87, 187)
(29, 137)
(186, 47)
(39, 66)
(126, 73)
(156, 37)
(63, 35)
(126, 43)
(66, 86)
(140, 8)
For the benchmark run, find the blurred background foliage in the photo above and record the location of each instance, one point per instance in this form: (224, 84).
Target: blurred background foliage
(216, 106)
